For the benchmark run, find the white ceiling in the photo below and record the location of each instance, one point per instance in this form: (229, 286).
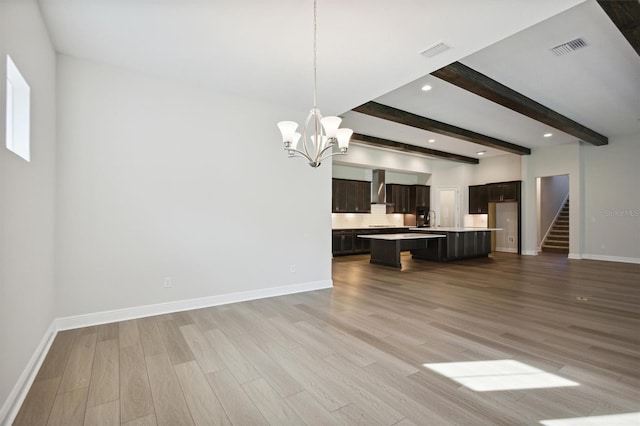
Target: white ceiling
(263, 50)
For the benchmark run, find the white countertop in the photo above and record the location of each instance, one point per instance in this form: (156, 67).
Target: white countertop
(394, 237)
(342, 228)
(453, 229)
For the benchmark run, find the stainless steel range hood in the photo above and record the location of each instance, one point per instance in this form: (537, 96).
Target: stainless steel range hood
(378, 187)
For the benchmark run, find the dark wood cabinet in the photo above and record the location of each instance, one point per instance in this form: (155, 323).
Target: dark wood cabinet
(507, 191)
(399, 196)
(350, 196)
(420, 197)
(478, 199)
(346, 241)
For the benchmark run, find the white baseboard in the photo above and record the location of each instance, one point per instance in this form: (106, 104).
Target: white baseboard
(530, 252)
(506, 249)
(611, 258)
(12, 404)
(575, 256)
(105, 317)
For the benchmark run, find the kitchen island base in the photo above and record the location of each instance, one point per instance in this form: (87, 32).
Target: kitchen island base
(386, 249)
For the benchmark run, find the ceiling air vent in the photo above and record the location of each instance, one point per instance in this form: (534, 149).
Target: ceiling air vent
(569, 46)
(434, 50)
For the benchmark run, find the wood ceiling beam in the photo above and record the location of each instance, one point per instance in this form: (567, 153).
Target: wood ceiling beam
(413, 149)
(385, 112)
(625, 15)
(469, 79)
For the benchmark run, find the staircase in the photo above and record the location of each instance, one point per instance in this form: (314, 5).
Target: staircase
(557, 240)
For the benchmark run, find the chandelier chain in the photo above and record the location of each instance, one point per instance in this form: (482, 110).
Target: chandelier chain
(315, 54)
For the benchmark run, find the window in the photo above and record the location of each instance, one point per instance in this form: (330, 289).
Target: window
(18, 112)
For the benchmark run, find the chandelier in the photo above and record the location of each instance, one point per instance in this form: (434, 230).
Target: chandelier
(319, 134)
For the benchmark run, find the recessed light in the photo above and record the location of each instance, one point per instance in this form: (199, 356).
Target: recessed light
(548, 135)
(481, 152)
(426, 88)
(432, 140)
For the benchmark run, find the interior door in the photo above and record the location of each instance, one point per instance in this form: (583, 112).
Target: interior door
(448, 207)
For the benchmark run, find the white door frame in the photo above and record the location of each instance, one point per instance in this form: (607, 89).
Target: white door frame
(456, 200)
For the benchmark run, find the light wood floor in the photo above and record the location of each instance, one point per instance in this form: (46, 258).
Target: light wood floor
(354, 354)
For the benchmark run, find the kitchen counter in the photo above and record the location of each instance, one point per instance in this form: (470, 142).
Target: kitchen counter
(386, 248)
(343, 228)
(460, 243)
(453, 229)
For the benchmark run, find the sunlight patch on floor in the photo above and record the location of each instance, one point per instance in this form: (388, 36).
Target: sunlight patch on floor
(483, 376)
(627, 419)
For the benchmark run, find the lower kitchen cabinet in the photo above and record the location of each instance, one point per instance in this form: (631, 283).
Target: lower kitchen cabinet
(346, 241)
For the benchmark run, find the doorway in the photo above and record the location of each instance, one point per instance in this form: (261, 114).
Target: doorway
(552, 193)
(448, 207)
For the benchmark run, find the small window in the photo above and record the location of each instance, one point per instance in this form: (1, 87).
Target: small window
(18, 112)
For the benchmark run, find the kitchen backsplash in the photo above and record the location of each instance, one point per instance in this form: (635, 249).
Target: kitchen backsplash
(377, 217)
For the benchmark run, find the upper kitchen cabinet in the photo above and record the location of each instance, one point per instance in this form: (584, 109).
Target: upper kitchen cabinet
(478, 199)
(421, 197)
(399, 196)
(351, 196)
(505, 191)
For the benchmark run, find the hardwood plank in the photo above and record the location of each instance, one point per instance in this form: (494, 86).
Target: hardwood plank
(78, 370)
(204, 353)
(309, 410)
(202, 402)
(149, 420)
(105, 379)
(236, 363)
(354, 415)
(68, 408)
(170, 406)
(174, 342)
(274, 373)
(107, 414)
(150, 337)
(58, 355)
(236, 402)
(128, 333)
(107, 331)
(270, 404)
(38, 403)
(135, 393)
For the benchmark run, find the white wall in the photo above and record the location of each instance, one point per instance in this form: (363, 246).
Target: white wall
(558, 160)
(161, 180)
(612, 200)
(605, 200)
(27, 192)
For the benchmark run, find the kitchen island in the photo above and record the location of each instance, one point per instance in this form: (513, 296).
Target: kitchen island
(460, 243)
(386, 248)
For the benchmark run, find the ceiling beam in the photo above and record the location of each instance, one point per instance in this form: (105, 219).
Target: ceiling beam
(385, 112)
(469, 79)
(413, 149)
(625, 15)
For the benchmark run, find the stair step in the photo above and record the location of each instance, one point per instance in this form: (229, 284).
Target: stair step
(555, 249)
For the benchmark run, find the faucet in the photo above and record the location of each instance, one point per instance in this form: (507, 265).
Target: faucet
(432, 224)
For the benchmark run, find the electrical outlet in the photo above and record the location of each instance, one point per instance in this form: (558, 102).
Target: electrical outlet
(603, 246)
(167, 282)
(292, 269)
(511, 239)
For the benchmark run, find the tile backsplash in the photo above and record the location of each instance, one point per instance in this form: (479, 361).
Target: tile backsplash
(377, 217)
